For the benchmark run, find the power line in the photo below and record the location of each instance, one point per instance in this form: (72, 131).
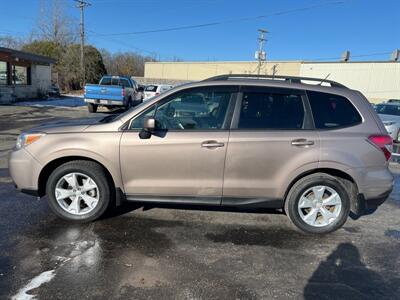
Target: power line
(216, 23)
(141, 50)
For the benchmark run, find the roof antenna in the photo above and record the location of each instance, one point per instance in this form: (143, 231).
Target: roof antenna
(323, 80)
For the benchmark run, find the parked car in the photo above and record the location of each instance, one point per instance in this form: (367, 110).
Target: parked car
(154, 90)
(390, 116)
(54, 91)
(393, 101)
(112, 91)
(315, 152)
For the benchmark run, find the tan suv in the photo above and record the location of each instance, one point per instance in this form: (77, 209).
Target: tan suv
(311, 147)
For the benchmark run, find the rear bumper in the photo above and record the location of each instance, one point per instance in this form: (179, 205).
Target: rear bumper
(368, 206)
(374, 186)
(105, 102)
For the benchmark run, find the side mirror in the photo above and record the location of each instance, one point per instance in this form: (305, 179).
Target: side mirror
(149, 125)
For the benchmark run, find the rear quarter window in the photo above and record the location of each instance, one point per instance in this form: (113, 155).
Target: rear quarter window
(332, 111)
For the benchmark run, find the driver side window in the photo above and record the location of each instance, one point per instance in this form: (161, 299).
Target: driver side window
(195, 109)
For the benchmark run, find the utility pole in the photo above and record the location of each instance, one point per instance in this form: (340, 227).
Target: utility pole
(260, 54)
(81, 5)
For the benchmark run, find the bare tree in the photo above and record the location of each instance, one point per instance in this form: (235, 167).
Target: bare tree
(54, 24)
(125, 63)
(8, 41)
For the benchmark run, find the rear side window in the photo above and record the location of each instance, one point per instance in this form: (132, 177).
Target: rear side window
(271, 111)
(331, 111)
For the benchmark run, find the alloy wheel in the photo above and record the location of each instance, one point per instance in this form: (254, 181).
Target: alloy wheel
(77, 193)
(319, 206)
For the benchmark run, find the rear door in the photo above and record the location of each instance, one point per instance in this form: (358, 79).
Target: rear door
(271, 140)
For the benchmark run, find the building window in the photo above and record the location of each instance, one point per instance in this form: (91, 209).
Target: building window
(20, 75)
(3, 73)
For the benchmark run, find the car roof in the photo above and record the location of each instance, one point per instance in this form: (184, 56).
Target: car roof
(116, 77)
(339, 90)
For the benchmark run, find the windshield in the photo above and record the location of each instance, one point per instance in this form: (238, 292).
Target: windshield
(385, 109)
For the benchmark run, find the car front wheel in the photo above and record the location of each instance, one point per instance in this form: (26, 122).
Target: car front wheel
(318, 203)
(78, 191)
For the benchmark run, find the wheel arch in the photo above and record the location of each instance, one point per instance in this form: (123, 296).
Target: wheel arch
(55, 163)
(346, 179)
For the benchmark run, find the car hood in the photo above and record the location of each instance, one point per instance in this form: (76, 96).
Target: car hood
(386, 118)
(63, 126)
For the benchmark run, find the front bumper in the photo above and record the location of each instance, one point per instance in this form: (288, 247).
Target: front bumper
(24, 171)
(104, 102)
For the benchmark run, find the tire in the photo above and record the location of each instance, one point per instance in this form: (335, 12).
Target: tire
(103, 192)
(92, 108)
(328, 218)
(129, 104)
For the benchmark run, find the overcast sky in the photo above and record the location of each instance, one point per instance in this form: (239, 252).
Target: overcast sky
(299, 29)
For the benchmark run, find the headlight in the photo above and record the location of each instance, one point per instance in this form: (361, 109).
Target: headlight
(26, 139)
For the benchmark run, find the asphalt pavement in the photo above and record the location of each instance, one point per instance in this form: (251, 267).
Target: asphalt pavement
(175, 252)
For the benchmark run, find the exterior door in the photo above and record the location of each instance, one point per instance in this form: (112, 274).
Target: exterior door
(271, 141)
(184, 158)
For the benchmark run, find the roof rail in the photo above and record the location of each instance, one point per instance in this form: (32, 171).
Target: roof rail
(290, 79)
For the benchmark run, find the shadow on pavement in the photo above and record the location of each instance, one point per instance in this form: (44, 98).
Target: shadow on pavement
(344, 276)
(128, 206)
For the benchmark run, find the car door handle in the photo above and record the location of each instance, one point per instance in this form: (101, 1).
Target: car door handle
(212, 144)
(302, 142)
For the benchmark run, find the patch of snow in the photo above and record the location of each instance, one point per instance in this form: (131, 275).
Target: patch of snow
(66, 101)
(33, 284)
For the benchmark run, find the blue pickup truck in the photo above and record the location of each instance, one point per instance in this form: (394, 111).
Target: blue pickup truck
(113, 91)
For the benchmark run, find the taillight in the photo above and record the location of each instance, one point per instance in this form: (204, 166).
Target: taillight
(383, 142)
(123, 93)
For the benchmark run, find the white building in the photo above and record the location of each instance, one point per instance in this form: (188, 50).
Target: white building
(23, 75)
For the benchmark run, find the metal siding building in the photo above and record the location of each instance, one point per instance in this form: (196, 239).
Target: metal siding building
(203, 70)
(378, 81)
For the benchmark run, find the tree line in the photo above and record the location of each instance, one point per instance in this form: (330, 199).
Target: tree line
(56, 36)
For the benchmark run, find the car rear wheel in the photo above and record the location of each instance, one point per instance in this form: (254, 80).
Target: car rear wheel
(318, 203)
(92, 108)
(78, 191)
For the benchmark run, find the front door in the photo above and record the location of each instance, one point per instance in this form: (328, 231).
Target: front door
(184, 158)
(271, 140)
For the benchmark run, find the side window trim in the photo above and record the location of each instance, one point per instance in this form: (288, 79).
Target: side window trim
(308, 121)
